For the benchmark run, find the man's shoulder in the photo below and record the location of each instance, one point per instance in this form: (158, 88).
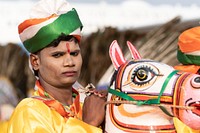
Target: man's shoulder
(31, 104)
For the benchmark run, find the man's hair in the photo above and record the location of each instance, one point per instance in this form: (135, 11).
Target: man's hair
(62, 37)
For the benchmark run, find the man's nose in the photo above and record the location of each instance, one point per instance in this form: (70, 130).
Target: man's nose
(68, 61)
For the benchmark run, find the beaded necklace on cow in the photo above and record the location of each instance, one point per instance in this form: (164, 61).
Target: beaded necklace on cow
(125, 96)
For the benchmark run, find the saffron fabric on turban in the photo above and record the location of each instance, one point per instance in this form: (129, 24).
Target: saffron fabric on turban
(47, 24)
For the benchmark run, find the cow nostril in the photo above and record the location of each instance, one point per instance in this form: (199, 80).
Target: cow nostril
(197, 80)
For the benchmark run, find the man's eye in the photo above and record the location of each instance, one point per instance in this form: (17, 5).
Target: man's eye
(74, 53)
(56, 55)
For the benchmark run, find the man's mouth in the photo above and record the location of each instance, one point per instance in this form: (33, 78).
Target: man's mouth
(69, 73)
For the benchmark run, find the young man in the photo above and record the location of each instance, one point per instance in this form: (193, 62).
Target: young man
(52, 36)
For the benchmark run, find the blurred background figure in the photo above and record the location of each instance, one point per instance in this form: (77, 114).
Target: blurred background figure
(9, 99)
(16, 79)
(188, 50)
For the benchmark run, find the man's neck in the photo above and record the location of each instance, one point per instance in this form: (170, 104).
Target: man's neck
(63, 95)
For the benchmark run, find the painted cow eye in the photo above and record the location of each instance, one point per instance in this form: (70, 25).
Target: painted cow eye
(142, 76)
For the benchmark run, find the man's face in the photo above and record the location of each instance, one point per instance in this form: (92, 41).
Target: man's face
(60, 66)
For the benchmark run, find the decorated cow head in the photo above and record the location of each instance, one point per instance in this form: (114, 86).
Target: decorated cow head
(145, 95)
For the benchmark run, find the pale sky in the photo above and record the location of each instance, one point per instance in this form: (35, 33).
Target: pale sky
(153, 2)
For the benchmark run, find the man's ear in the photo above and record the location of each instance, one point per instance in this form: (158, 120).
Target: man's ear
(34, 60)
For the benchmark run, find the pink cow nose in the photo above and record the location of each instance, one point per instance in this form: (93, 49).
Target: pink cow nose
(195, 82)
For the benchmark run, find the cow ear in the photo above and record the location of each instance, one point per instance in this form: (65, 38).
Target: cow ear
(134, 53)
(116, 55)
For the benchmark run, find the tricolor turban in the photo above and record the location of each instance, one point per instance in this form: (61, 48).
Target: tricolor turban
(49, 19)
(189, 47)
